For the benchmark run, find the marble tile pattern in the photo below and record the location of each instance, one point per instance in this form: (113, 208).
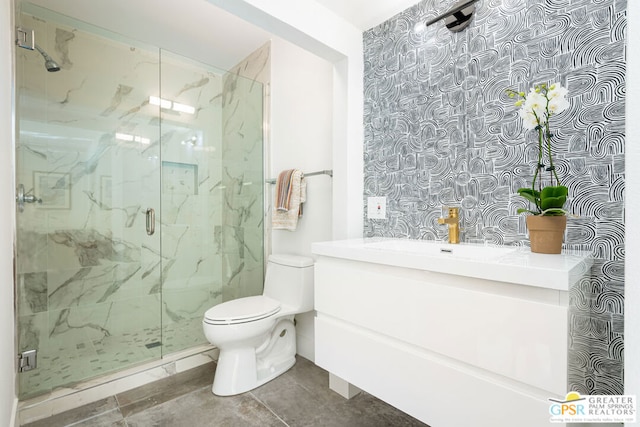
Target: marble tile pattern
(300, 397)
(440, 131)
(241, 233)
(96, 294)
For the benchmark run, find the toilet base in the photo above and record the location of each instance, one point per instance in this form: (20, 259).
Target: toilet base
(242, 369)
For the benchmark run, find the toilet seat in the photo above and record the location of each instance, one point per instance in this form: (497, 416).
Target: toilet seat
(242, 310)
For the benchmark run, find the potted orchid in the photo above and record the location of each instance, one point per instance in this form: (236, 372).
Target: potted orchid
(546, 196)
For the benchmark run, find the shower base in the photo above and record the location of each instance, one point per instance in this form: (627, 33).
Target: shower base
(63, 363)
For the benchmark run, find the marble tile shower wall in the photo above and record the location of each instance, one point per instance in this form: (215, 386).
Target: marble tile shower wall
(439, 130)
(191, 201)
(96, 294)
(242, 230)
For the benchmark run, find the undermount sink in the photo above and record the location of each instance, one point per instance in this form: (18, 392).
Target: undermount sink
(433, 248)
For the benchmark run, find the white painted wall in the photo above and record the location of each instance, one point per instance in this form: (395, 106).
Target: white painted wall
(301, 137)
(8, 398)
(632, 208)
(366, 14)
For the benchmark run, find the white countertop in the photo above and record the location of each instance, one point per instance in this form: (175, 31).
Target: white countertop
(509, 264)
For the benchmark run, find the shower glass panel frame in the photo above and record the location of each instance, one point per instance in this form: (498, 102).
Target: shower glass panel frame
(124, 138)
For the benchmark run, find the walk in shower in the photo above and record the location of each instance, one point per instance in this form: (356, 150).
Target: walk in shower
(141, 174)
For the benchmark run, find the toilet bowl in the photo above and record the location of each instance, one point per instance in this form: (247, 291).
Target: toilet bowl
(256, 335)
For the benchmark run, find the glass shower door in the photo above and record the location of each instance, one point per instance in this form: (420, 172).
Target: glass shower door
(89, 265)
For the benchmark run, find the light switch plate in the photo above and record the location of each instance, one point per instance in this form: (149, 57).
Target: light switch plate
(377, 207)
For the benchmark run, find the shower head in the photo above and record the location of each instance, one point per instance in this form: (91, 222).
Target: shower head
(49, 63)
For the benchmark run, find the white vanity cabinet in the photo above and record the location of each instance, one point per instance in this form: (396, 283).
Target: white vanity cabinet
(448, 349)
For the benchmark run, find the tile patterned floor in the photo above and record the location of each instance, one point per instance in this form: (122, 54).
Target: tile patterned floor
(300, 397)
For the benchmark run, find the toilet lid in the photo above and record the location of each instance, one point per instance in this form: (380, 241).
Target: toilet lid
(242, 310)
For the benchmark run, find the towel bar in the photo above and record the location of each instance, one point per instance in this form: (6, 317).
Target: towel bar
(322, 172)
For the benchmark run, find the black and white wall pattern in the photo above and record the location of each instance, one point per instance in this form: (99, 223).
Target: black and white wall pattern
(440, 130)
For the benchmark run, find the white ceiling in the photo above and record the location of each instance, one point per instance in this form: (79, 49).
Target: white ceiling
(199, 30)
(365, 14)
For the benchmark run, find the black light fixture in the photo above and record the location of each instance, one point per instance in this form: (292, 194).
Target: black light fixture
(459, 17)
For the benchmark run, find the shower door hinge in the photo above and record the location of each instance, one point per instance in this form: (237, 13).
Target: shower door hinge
(25, 38)
(27, 360)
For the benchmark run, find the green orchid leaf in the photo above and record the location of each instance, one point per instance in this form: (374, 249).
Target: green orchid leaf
(552, 203)
(523, 210)
(554, 191)
(530, 194)
(528, 190)
(553, 197)
(554, 212)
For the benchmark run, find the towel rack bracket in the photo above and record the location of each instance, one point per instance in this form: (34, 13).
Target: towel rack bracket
(322, 172)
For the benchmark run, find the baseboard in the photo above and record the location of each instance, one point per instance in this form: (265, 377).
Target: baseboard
(305, 347)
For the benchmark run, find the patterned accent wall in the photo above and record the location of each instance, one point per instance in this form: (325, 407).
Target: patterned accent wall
(440, 130)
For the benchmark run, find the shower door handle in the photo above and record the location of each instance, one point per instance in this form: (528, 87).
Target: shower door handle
(151, 221)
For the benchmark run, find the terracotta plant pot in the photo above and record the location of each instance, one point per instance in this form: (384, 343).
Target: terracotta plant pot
(546, 233)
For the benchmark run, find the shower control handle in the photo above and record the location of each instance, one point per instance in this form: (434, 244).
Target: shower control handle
(151, 221)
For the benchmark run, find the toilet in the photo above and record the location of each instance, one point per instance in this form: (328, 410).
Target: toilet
(256, 335)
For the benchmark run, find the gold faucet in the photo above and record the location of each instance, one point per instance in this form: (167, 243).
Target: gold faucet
(454, 225)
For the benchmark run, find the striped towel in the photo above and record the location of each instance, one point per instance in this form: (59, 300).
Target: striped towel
(283, 189)
(291, 193)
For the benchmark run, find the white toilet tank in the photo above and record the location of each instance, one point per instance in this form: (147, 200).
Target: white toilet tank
(289, 279)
